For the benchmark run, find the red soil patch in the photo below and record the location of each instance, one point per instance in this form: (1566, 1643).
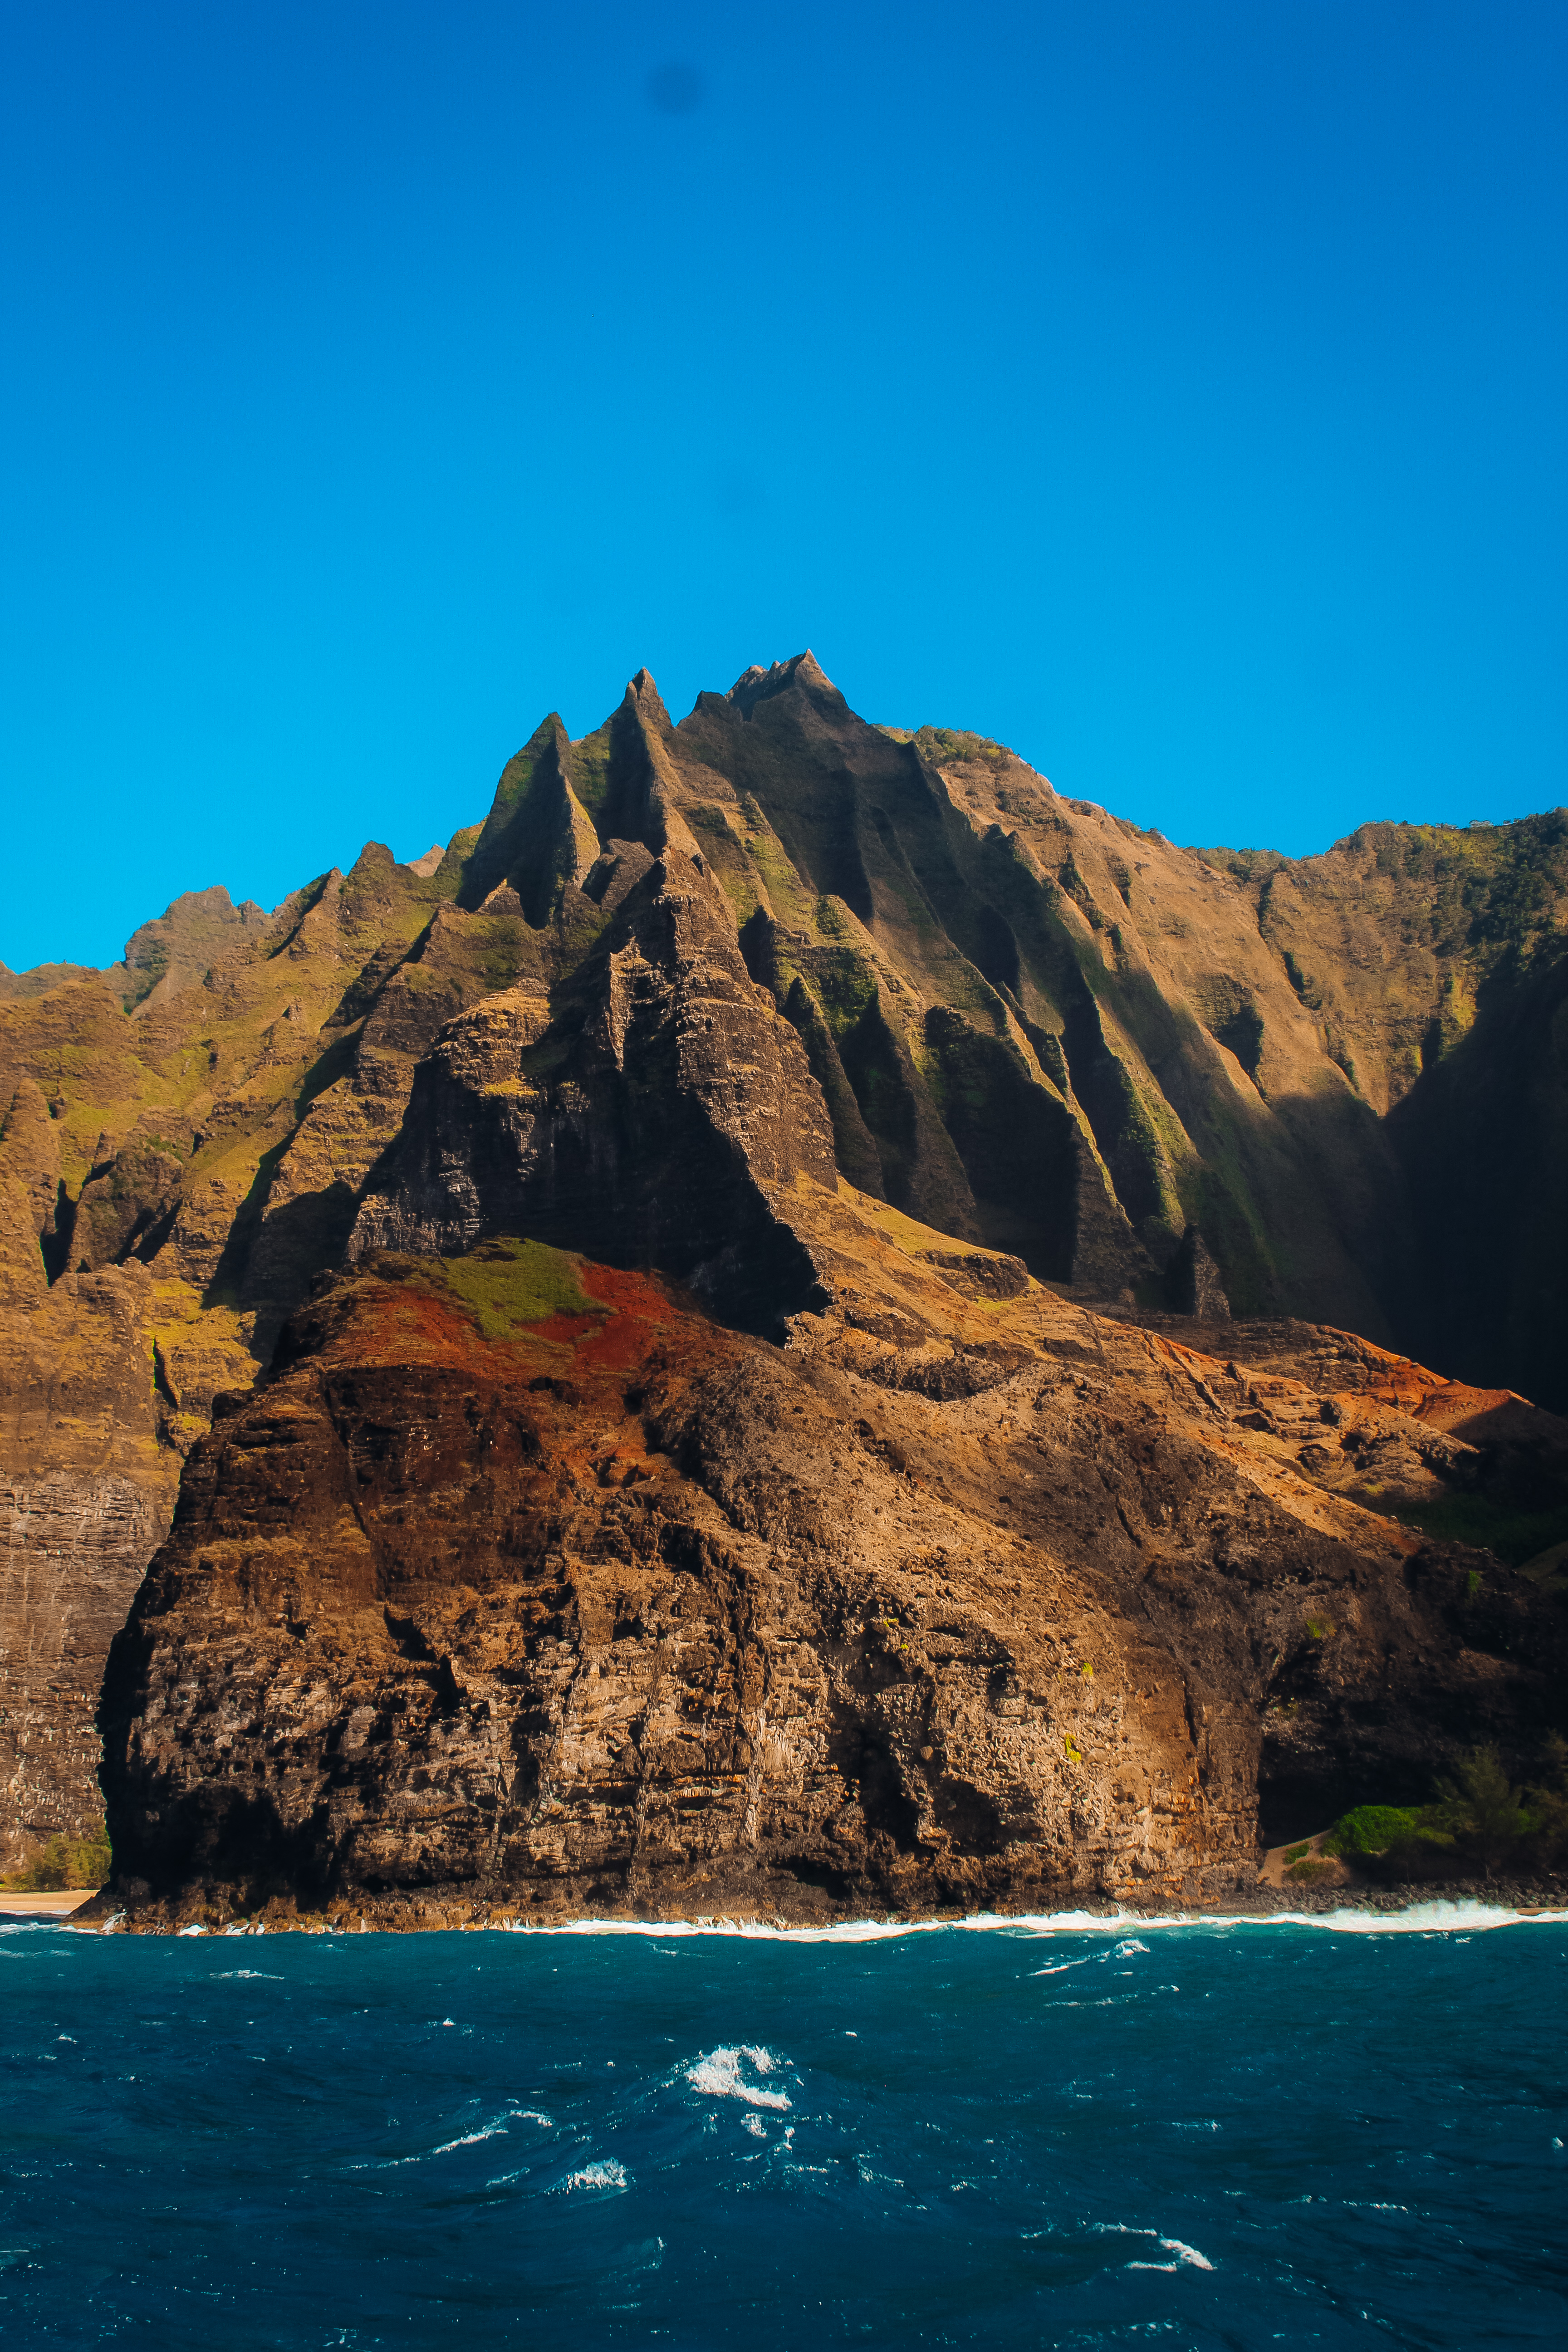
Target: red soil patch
(392, 1324)
(559, 1330)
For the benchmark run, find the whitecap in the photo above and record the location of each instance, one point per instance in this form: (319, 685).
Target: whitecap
(718, 2075)
(1425, 1919)
(496, 2128)
(606, 2174)
(1186, 2254)
(229, 1976)
(470, 2139)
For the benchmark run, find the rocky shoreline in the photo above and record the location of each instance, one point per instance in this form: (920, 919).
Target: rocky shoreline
(1547, 1892)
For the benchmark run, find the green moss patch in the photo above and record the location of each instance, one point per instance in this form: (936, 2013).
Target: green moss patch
(509, 1283)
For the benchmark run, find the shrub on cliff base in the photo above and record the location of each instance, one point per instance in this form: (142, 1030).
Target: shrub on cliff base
(1482, 1820)
(66, 1862)
(1548, 1801)
(1481, 1808)
(1372, 1829)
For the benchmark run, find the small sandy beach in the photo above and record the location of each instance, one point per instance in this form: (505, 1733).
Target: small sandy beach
(44, 1907)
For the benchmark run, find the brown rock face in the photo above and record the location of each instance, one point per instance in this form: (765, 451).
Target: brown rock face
(85, 1493)
(617, 1610)
(685, 982)
(655, 1115)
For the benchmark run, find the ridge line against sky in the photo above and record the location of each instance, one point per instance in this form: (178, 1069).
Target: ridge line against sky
(1176, 399)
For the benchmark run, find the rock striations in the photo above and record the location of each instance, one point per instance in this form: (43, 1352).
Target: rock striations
(519, 1589)
(803, 1289)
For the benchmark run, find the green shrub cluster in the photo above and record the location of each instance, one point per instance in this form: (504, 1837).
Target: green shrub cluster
(1372, 1829)
(65, 1862)
(1478, 1820)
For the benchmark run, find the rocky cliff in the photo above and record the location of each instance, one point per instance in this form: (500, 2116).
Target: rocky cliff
(521, 1588)
(685, 984)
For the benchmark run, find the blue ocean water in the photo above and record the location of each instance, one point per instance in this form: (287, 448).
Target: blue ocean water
(1050, 2134)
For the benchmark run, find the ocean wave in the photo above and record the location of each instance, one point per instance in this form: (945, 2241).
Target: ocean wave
(718, 2075)
(496, 2128)
(1430, 1917)
(606, 2174)
(1187, 2257)
(1433, 1917)
(470, 2139)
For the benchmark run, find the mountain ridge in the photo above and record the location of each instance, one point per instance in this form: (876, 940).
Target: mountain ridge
(685, 985)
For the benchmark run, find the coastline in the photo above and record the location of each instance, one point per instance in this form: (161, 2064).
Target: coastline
(51, 1905)
(1473, 1902)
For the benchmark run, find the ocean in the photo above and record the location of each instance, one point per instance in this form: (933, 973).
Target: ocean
(1058, 2131)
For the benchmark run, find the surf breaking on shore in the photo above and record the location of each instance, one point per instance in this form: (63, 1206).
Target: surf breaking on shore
(1433, 1917)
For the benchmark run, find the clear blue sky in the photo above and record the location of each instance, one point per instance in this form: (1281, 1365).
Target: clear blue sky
(1176, 392)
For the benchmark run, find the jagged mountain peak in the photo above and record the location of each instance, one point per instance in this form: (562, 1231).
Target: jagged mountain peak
(969, 961)
(643, 696)
(757, 685)
(786, 1004)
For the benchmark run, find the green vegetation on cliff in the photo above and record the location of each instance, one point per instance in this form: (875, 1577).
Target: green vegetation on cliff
(510, 1283)
(62, 1865)
(1478, 1820)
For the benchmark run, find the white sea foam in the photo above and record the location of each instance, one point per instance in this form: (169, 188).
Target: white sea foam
(470, 2139)
(1186, 2256)
(496, 2128)
(606, 2174)
(1419, 1918)
(229, 1976)
(719, 2076)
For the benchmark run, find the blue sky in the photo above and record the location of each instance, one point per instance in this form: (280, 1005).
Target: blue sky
(1175, 392)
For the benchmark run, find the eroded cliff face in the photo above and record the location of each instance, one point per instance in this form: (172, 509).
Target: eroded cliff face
(684, 981)
(85, 1494)
(617, 1610)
